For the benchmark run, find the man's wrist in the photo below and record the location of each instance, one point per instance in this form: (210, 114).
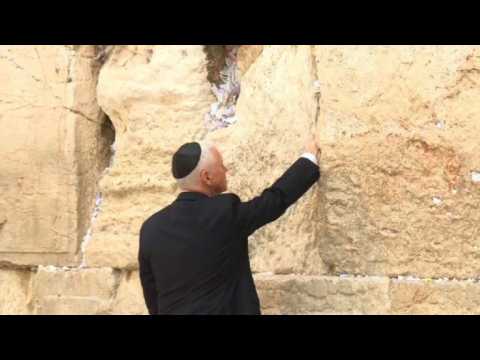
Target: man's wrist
(311, 157)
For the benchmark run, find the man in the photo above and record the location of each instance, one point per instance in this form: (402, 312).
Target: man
(193, 254)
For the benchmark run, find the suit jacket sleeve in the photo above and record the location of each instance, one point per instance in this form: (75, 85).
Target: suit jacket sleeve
(148, 283)
(275, 200)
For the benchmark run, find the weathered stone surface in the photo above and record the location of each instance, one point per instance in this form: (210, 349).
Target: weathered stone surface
(399, 129)
(247, 55)
(291, 294)
(129, 298)
(74, 292)
(157, 97)
(48, 142)
(435, 297)
(268, 137)
(15, 292)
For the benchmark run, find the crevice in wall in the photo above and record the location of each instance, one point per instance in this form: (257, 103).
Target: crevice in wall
(103, 52)
(107, 150)
(223, 76)
(30, 301)
(215, 62)
(8, 265)
(316, 84)
(100, 159)
(393, 277)
(78, 112)
(318, 196)
(105, 156)
(119, 276)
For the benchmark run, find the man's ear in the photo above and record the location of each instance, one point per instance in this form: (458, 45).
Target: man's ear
(204, 177)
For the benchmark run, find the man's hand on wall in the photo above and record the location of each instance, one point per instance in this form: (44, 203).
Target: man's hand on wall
(312, 147)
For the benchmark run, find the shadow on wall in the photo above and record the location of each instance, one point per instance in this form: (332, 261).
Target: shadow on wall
(216, 60)
(107, 139)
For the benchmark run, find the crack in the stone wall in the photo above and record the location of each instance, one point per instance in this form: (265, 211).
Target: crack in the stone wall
(30, 299)
(78, 112)
(103, 53)
(319, 196)
(88, 236)
(69, 67)
(225, 84)
(316, 84)
(392, 277)
(8, 265)
(98, 196)
(46, 84)
(118, 276)
(105, 150)
(19, 67)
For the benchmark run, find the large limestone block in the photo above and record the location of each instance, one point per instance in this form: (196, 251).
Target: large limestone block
(74, 292)
(435, 297)
(156, 97)
(15, 292)
(399, 129)
(129, 298)
(276, 112)
(294, 294)
(50, 129)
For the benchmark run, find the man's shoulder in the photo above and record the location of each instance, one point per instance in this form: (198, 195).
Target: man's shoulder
(154, 218)
(228, 198)
(221, 205)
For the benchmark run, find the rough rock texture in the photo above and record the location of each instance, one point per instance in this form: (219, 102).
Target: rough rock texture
(290, 294)
(51, 152)
(400, 130)
(129, 297)
(15, 292)
(76, 292)
(399, 193)
(435, 297)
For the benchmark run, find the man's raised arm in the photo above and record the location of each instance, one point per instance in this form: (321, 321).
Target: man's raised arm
(275, 200)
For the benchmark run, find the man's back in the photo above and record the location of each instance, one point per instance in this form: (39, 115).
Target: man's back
(199, 259)
(194, 253)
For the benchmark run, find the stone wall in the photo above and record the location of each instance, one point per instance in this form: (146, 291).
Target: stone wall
(392, 227)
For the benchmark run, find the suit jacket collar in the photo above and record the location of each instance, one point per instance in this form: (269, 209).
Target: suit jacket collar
(191, 196)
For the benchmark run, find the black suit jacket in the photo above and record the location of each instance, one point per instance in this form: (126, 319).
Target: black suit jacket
(193, 254)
